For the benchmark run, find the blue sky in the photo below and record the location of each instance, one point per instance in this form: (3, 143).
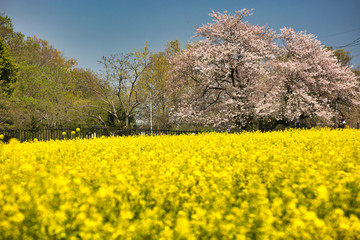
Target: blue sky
(88, 30)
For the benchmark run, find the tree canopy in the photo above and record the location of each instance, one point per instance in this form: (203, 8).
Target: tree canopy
(237, 76)
(8, 69)
(239, 72)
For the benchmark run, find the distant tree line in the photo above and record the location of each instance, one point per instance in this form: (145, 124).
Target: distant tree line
(237, 77)
(40, 88)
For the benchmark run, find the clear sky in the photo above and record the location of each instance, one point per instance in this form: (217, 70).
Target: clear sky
(89, 29)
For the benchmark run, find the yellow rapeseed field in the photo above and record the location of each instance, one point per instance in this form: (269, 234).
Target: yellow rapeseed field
(296, 184)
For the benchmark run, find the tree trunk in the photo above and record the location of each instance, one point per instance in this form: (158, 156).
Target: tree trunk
(126, 121)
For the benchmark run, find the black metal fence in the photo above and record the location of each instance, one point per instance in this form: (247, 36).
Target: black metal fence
(67, 133)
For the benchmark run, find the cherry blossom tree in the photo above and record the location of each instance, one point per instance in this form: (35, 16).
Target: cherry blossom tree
(310, 81)
(238, 72)
(221, 77)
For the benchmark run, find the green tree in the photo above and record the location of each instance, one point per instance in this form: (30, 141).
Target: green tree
(155, 112)
(357, 72)
(13, 39)
(48, 91)
(45, 89)
(6, 26)
(8, 69)
(343, 56)
(92, 87)
(120, 93)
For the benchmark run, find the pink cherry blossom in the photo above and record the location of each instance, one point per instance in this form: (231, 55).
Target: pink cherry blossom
(238, 71)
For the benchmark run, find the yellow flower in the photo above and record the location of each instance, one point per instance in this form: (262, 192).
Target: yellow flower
(290, 185)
